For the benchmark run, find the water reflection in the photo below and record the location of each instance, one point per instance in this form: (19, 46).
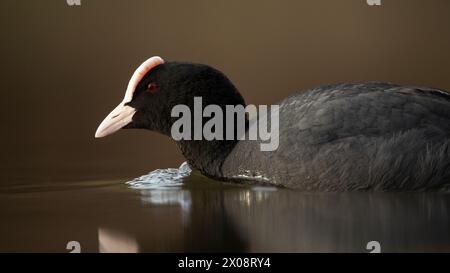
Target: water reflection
(185, 211)
(223, 217)
(165, 187)
(112, 241)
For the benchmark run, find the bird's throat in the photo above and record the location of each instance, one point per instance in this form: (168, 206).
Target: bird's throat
(207, 156)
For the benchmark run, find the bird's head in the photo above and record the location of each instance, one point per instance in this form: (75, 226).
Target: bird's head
(157, 86)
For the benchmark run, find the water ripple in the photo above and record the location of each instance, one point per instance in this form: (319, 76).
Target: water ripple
(161, 178)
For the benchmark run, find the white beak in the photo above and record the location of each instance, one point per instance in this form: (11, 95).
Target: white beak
(123, 115)
(117, 119)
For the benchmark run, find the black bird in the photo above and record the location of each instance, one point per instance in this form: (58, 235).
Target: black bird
(343, 137)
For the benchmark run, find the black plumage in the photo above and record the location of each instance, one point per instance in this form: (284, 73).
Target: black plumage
(369, 136)
(365, 136)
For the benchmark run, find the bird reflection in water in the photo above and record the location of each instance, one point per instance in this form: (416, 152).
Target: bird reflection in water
(112, 241)
(229, 217)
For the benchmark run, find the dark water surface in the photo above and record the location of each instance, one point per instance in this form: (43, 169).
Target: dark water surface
(194, 213)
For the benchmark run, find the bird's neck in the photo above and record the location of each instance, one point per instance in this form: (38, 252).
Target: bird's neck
(207, 156)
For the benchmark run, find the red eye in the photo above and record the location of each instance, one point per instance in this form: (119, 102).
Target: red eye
(151, 87)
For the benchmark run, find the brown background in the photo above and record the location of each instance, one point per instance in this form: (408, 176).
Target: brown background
(64, 68)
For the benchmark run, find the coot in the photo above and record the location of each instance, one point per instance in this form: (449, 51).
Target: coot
(343, 137)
